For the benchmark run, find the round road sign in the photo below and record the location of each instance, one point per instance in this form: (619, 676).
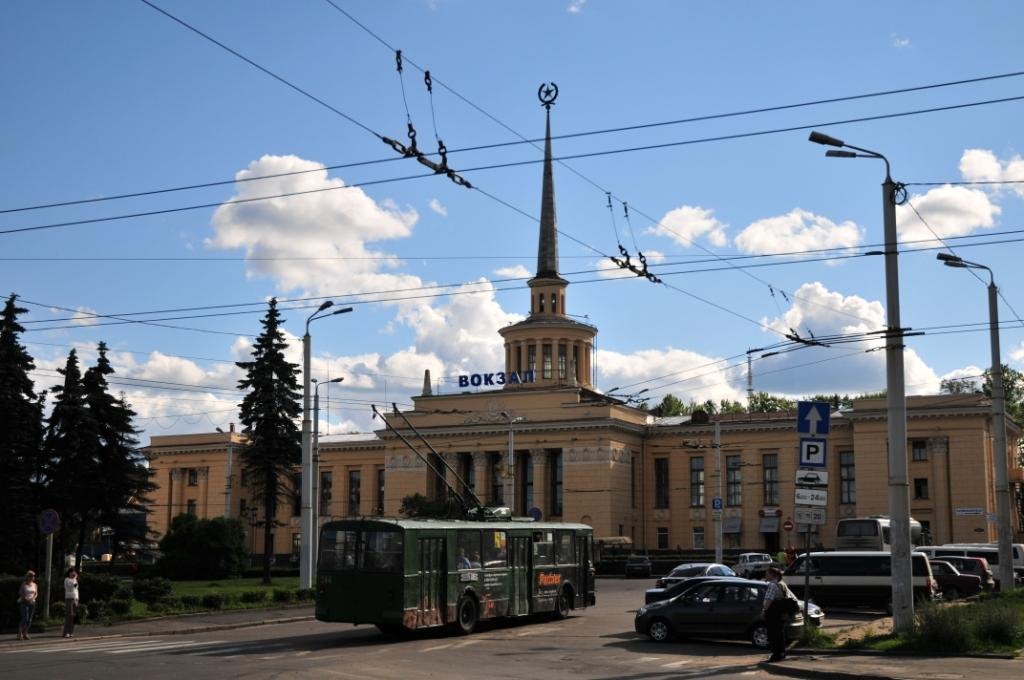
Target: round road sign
(787, 525)
(49, 521)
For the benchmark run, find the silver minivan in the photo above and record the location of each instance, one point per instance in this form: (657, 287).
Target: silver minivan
(856, 578)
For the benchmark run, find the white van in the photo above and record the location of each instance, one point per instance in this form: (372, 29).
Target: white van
(856, 578)
(990, 551)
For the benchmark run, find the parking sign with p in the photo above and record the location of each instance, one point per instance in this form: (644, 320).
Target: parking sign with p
(812, 452)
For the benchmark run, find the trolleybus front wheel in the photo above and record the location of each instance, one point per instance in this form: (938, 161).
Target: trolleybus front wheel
(468, 614)
(563, 604)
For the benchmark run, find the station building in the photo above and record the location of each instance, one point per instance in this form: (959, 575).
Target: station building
(537, 437)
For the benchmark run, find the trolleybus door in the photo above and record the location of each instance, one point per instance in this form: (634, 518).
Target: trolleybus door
(431, 605)
(584, 579)
(519, 583)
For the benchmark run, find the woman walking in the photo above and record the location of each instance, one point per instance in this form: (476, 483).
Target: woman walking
(27, 604)
(70, 603)
(779, 604)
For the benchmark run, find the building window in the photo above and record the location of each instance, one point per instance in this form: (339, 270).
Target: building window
(380, 491)
(921, 488)
(296, 544)
(193, 477)
(353, 492)
(190, 507)
(661, 482)
(697, 481)
(467, 471)
(698, 538)
(733, 481)
(242, 507)
(540, 300)
(555, 463)
(526, 461)
(926, 532)
(326, 481)
(562, 352)
(919, 449)
(497, 486)
(662, 538)
(770, 472)
(296, 495)
(531, 357)
(546, 368)
(632, 481)
(576, 361)
(554, 306)
(847, 479)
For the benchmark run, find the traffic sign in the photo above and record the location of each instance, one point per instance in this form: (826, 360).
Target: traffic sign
(49, 521)
(810, 515)
(812, 417)
(816, 497)
(716, 514)
(787, 526)
(812, 478)
(716, 503)
(812, 452)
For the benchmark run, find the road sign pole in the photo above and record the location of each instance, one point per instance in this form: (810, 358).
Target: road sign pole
(718, 469)
(49, 575)
(807, 571)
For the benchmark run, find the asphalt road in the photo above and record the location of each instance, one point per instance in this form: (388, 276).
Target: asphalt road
(598, 642)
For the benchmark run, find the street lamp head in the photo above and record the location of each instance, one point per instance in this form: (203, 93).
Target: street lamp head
(343, 310)
(950, 260)
(325, 305)
(336, 380)
(819, 138)
(838, 153)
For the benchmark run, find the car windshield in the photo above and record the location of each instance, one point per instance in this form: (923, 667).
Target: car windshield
(636, 558)
(688, 571)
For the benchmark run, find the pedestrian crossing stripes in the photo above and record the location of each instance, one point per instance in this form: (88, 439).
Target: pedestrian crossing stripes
(115, 646)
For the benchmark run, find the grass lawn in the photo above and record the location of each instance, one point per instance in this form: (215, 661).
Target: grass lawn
(232, 585)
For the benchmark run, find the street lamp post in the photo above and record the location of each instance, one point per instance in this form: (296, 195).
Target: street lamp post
(999, 459)
(315, 536)
(510, 498)
(899, 499)
(306, 554)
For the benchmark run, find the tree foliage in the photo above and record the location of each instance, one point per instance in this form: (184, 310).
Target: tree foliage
(203, 548)
(268, 412)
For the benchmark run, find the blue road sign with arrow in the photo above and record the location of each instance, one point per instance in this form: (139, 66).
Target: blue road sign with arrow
(812, 417)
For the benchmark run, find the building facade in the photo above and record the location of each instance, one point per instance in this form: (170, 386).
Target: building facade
(546, 444)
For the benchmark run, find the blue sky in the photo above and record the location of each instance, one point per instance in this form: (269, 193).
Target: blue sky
(108, 98)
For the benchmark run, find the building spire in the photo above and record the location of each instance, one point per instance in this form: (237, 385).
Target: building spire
(547, 250)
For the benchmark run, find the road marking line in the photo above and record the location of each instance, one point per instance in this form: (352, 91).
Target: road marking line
(675, 664)
(437, 647)
(649, 658)
(165, 646)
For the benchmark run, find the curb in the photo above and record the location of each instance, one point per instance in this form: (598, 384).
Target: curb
(814, 673)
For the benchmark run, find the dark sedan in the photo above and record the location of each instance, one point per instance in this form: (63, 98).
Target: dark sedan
(724, 607)
(953, 584)
(638, 565)
(668, 592)
(975, 566)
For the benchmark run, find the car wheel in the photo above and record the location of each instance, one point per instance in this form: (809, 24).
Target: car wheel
(950, 593)
(759, 636)
(468, 614)
(659, 630)
(564, 604)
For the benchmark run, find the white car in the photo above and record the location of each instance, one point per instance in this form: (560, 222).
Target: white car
(753, 564)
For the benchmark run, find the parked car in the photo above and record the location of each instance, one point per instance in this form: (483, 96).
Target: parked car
(657, 594)
(685, 571)
(857, 578)
(638, 565)
(723, 607)
(752, 565)
(976, 566)
(952, 584)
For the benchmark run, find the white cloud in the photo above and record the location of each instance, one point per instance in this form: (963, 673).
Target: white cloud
(852, 368)
(971, 375)
(1017, 353)
(516, 272)
(900, 42)
(683, 373)
(981, 165)
(796, 230)
(333, 222)
(438, 207)
(687, 223)
(84, 316)
(576, 6)
(948, 210)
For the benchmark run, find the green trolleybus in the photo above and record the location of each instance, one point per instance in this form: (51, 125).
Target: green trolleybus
(404, 574)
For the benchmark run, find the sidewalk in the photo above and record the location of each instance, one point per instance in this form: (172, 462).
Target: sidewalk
(184, 624)
(881, 667)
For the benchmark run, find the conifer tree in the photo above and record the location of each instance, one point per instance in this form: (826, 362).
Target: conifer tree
(20, 442)
(269, 412)
(123, 479)
(72, 463)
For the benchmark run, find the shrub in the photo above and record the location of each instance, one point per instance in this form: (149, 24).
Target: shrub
(305, 594)
(195, 548)
(944, 628)
(253, 596)
(284, 595)
(151, 590)
(9, 586)
(213, 601)
(124, 591)
(998, 623)
(190, 601)
(97, 587)
(120, 607)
